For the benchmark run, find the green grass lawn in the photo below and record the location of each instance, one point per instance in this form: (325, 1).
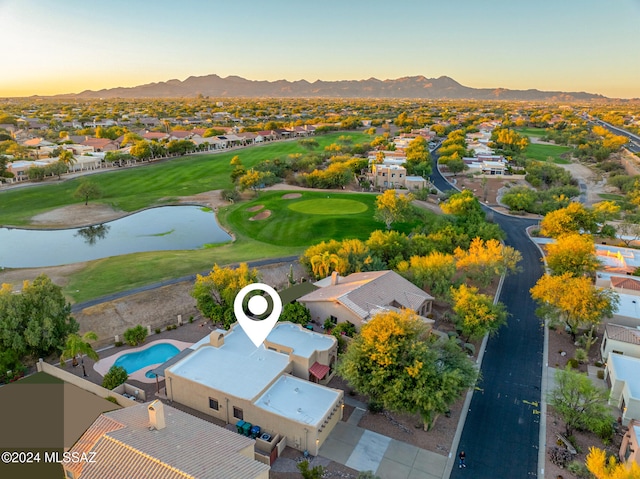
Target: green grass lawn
(130, 189)
(611, 197)
(544, 152)
(531, 132)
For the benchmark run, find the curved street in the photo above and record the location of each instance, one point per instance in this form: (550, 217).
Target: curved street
(501, 432)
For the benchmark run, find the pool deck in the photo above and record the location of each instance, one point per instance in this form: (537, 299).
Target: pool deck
(102, 366)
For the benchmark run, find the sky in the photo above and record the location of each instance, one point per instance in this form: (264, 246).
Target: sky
(68, 46)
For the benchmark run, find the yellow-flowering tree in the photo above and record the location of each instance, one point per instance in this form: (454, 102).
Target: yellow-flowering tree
(573, 253)
(216, 292)
(396, 362)
(573, 301)
(486, 259)
(608, 468)
(391, 207)
(476, 315)
(434, 272)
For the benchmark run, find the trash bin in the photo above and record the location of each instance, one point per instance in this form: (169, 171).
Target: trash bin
(246, 428)
(240, 426)
(255, 432)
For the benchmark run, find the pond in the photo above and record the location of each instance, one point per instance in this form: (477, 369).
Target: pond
(155, 229)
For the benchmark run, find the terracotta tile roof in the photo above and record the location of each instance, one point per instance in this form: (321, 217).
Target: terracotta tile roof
(99, 428)
(98, 142)
(365, 292)
(625, 283)
(319, 370)
(181, 134)
(154, 135)
(624, 334)
(188, 447)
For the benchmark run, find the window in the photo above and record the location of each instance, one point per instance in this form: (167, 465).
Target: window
(334, 320)
(213, 403)
(237, 413)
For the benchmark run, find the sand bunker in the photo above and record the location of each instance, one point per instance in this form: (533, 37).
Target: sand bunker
(261, 216)
(255, 208)
(291, 196)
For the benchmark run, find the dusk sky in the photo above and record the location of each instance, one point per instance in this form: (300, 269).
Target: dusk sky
(67, 46)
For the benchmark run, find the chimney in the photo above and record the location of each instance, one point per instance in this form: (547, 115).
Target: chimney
(216, 338)
(156, 415)
(334, 278)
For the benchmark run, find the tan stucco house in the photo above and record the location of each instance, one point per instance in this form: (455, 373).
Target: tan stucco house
(360, 296)
(622, 377)
(275, 386)
(621, 340)
(630, 447)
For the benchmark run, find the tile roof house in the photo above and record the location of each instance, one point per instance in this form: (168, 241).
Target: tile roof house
(620, 339)
(158, 441)
(360, 296)
(622, 377)
(101, 144)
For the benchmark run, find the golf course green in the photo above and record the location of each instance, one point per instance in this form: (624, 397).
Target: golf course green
(329, 206)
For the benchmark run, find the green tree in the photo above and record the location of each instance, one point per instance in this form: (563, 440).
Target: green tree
(136, 335)
(456, 166)
(36, 173)
(87, 190)
(42, 316)
(77, 345)
(116, 376)
(395, 360)
(296, 313)
(309, 472)
(579, 403)
(391, 207)
(57, 168)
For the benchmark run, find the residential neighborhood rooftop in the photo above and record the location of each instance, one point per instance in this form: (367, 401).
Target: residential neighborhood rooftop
(626, 368)
(237, 366)
(303, 343)
(128, 445)
(299, 400)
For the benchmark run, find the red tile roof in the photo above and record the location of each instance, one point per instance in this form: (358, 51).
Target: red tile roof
(319, 370)
(625, 283)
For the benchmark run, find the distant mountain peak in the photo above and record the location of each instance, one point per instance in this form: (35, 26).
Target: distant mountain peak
(417, 87)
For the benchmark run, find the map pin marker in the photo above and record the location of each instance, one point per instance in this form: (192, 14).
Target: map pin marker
(257, 330)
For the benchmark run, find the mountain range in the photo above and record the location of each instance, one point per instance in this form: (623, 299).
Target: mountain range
(418, 87)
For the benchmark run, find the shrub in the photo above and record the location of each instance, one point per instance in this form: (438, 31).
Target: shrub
(118, 344)
(347, 328)
(375, 407)
(600, 374)
(114, 377)
(581, 356)
(112, 399)
(191, 319)
(559, 456)
(573, 363)
(135, 336)
(157, 330)
(578, 469)
(308, 472)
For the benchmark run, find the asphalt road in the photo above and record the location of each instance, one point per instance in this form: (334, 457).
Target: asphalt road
(501, 432)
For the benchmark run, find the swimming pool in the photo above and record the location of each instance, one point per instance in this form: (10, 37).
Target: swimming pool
(156, 354)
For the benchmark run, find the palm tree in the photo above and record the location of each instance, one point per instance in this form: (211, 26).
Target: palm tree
(321, 263)
(77, 345)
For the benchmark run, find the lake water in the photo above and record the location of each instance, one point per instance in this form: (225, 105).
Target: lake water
(155, 229)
